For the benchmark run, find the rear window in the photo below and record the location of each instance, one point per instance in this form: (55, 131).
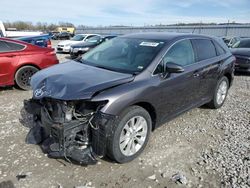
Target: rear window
(15, 46)
(219, 49)
(3, 47)
(10, 46)
(204, 49)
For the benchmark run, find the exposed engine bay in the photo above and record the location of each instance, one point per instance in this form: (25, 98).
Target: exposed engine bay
(74, 130)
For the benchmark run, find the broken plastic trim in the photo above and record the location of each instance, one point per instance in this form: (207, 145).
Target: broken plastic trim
(80, 137)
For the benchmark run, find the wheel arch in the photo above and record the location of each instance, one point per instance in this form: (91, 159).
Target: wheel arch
(24, 65)
(150, 109)
(229, 77)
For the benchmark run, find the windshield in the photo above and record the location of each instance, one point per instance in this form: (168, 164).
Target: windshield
(78, 37)
(242, 44)
(124, 54)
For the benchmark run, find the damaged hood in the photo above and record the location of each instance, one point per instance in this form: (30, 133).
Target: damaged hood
(74, 81)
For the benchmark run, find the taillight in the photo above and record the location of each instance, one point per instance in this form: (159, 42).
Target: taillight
(49, 45)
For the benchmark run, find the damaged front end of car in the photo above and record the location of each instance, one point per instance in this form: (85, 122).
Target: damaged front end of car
(76, 130)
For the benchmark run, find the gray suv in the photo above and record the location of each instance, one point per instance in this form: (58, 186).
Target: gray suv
(108, 102)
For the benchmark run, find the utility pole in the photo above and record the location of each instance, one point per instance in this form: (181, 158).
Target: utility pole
(228, 22)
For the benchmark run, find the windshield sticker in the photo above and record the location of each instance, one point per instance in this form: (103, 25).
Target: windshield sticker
(150, 44)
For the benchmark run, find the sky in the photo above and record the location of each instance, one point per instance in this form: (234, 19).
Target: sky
(125, 12)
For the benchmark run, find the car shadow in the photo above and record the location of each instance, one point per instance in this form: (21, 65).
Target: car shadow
(242, 73)
(8, 88)
(205, 106)
(61, 52)
(68, 57)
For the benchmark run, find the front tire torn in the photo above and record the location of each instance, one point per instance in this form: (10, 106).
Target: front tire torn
(76, 141)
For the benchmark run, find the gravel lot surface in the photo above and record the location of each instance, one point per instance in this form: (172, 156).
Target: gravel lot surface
(201, 148)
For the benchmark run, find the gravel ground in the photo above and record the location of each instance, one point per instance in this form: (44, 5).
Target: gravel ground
(201, 148)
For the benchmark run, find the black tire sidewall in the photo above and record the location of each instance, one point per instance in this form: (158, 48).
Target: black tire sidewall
(116, 153)
(18, 74)
(216, 105)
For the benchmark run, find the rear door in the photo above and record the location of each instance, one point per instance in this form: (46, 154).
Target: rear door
(208, 62)
(9, 56)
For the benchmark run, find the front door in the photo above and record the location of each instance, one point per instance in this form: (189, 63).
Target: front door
(179, 91)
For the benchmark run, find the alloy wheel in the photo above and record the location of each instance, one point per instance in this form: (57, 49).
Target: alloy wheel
(133, 135)
(221, 92)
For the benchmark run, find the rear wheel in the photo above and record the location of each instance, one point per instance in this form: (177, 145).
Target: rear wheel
(130, 135)
(23, 76)
(220, 93)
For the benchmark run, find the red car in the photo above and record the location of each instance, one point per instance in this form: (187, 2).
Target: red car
(20, 60)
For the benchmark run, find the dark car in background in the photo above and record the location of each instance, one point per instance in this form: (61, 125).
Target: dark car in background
(241, 50)
(52, 34)
(77, 50)
(61, 36)
(108, 103)
(243, 43)
(20, 60)
(39, 40)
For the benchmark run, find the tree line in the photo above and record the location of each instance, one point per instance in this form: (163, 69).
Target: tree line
(39, 26)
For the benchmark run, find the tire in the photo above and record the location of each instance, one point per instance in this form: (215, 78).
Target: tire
(115, 145)
(215, 103)
(72, 56)
(23, 75)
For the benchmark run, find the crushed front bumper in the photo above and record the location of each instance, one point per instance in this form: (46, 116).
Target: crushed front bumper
(75, 140)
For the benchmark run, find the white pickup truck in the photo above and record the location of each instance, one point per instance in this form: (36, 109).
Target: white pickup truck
(12, 34)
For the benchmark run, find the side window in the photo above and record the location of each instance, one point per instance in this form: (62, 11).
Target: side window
(4, 47)
(204, 49)
(94, 39)
(90, 36)
(219, 49)
(181, 53)
(15, 46)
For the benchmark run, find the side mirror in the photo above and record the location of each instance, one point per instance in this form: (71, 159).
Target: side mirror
(170, 67)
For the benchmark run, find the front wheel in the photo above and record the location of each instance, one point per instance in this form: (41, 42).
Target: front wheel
(220, 93)
(130, 135)
(23, 76)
